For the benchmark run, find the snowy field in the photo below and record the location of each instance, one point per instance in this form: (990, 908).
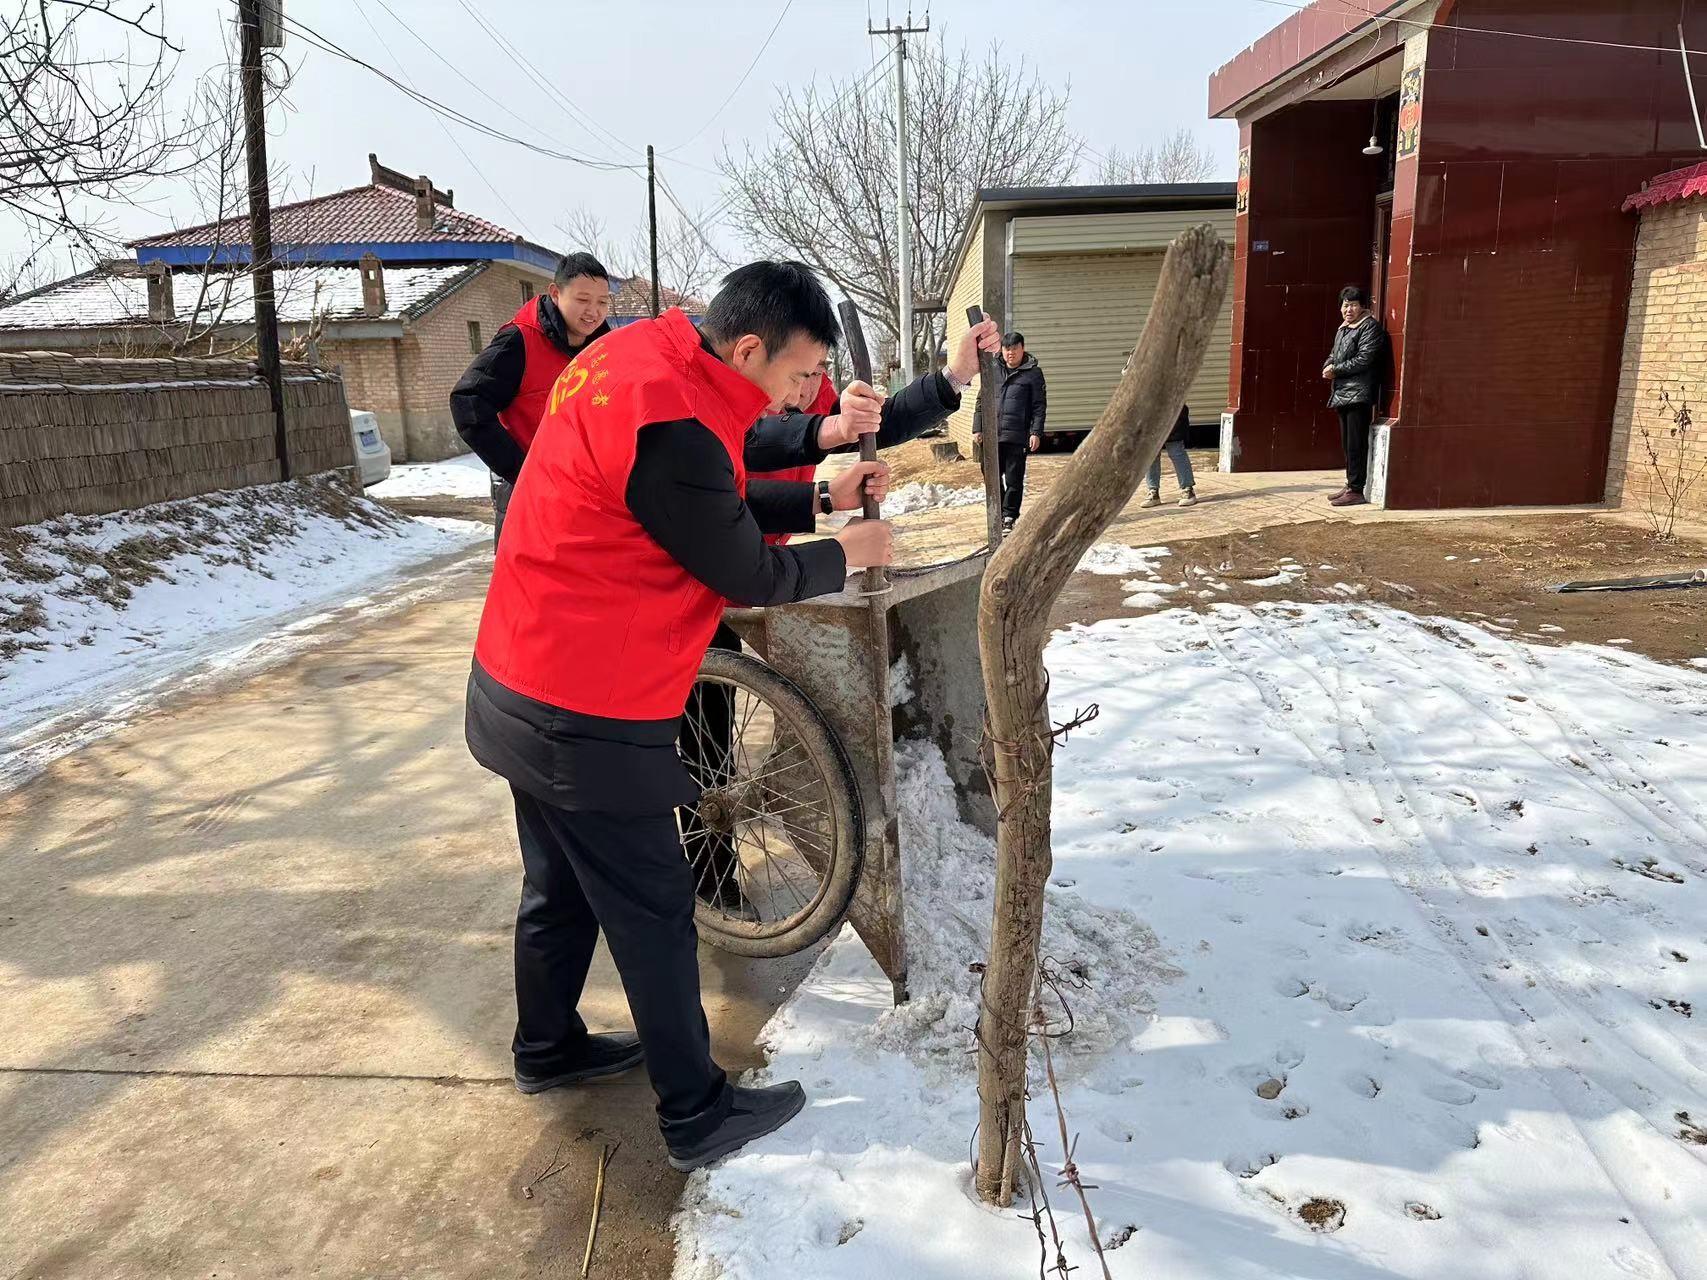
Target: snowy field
(1391, 934)
(464, 476)
(96, 611)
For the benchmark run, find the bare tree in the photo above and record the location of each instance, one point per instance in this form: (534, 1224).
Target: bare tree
(687, 262)
(83, 113)
(824, 190)
(1178, 158)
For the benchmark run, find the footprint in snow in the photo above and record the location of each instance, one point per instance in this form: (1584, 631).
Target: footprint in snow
(1248, 1166)
(1366, 1086)
(1452, 1092)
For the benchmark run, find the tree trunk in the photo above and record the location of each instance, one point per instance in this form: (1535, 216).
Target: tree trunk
(1020, 588)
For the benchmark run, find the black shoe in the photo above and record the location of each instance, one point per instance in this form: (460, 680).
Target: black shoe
(602, 1056)
(752, 1114)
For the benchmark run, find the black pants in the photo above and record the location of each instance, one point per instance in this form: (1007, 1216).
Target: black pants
(708, 731)
(1354, 435)
(501, 490)
(625, 874)
(1011, 455)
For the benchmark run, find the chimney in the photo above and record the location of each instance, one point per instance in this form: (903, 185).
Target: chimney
(373, 285)
(160, 306)
(423, 204)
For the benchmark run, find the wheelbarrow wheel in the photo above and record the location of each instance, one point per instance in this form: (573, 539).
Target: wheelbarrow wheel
(777, 839)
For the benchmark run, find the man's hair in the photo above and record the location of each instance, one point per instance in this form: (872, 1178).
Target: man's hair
(571, 265)
(1013, 338)
(1351, 293)
(775, 300)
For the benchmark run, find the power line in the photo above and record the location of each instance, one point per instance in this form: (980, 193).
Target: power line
(532, 72)
(458, 71)
(445, 128)
(743, 80)
(327, 45)
(1491, 31)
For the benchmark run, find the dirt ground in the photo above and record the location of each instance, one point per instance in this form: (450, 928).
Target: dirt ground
(255, 983)
(1495, 572)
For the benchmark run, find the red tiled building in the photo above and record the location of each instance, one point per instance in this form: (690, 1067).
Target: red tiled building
(1488, 227)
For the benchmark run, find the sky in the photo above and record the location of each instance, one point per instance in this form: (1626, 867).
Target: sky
(651, 71)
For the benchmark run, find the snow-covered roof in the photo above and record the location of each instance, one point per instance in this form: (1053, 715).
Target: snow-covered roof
(102, 298)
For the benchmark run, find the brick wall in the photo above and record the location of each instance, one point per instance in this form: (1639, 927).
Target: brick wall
(437, 350)
(1665, 349)
(89, 435)
(406, 382)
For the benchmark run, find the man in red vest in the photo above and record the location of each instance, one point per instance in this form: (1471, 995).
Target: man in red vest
(497, 404)
(634, 523)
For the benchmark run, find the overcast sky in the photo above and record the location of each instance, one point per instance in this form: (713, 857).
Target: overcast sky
(651, 71)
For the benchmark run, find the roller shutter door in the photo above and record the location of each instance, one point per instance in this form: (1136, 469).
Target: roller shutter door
(1081, 315)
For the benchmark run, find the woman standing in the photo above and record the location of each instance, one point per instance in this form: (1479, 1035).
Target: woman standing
(1354, 368)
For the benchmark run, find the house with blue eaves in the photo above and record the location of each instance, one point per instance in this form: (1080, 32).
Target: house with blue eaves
(388, 284)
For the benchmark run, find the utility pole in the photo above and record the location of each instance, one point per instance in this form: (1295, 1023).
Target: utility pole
(249, 18)
(652, 223)
(903, 206)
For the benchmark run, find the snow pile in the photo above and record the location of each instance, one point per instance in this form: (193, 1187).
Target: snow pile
(461, 477)
(1440, 899)
(948, 867)
(906, 499)
(90, 605)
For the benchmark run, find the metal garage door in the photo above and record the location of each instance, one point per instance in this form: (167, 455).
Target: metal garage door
(1081, 315)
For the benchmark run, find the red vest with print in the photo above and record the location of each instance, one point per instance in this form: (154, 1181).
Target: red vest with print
(824, 402)
(545, 362)
(585, 611)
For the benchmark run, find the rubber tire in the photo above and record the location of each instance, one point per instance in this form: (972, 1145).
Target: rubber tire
(826, 752)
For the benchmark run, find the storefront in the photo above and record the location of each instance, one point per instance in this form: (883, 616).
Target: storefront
(1465, 161)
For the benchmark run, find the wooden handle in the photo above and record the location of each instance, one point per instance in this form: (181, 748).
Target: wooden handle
(983, 418)
(860, 357)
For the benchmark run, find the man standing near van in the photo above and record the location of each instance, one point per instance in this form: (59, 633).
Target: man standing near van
(498, 403)
(1020, 410)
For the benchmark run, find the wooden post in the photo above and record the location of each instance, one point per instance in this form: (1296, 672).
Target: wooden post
(1020, 587)
(249, 18)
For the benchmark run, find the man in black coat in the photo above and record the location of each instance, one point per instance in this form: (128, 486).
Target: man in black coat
(1354, 366)
(1020, 409)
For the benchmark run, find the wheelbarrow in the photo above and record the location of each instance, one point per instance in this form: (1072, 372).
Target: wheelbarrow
(797, 828)
(800, 813)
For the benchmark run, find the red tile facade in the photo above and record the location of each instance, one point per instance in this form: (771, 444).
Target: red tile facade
(1510, 259)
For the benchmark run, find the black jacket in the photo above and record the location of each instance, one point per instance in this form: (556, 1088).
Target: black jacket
(791, 439)
(1021, 402)
(492, 381)
(682, 491)
(1182, 424)
(1357, 356)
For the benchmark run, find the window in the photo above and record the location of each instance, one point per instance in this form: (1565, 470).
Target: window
(527, 290)
(474, 343)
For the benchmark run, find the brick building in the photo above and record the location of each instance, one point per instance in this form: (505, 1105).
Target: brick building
(388, 284)
(1665, 353)
(1466, 160)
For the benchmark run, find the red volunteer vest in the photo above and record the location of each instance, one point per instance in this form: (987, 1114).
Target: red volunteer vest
(544, 363)
(825, 402)
(586, 612)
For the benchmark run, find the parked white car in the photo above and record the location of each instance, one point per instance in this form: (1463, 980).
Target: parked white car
(373, 455)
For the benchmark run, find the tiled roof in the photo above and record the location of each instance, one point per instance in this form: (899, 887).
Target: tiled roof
(631, 299)
(101, 298)
(1679, 184)
(374, 214)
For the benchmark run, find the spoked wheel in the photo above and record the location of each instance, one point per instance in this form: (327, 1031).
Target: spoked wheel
(777, 838)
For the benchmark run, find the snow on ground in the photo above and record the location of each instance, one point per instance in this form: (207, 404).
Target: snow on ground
(1378, 914)
(905, 499)
(94, 607)
(460, 477)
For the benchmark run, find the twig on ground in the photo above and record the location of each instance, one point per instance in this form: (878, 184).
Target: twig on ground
(605, 1156)
(553, 1167)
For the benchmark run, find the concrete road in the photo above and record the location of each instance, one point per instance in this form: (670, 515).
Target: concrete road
(255, 1001)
